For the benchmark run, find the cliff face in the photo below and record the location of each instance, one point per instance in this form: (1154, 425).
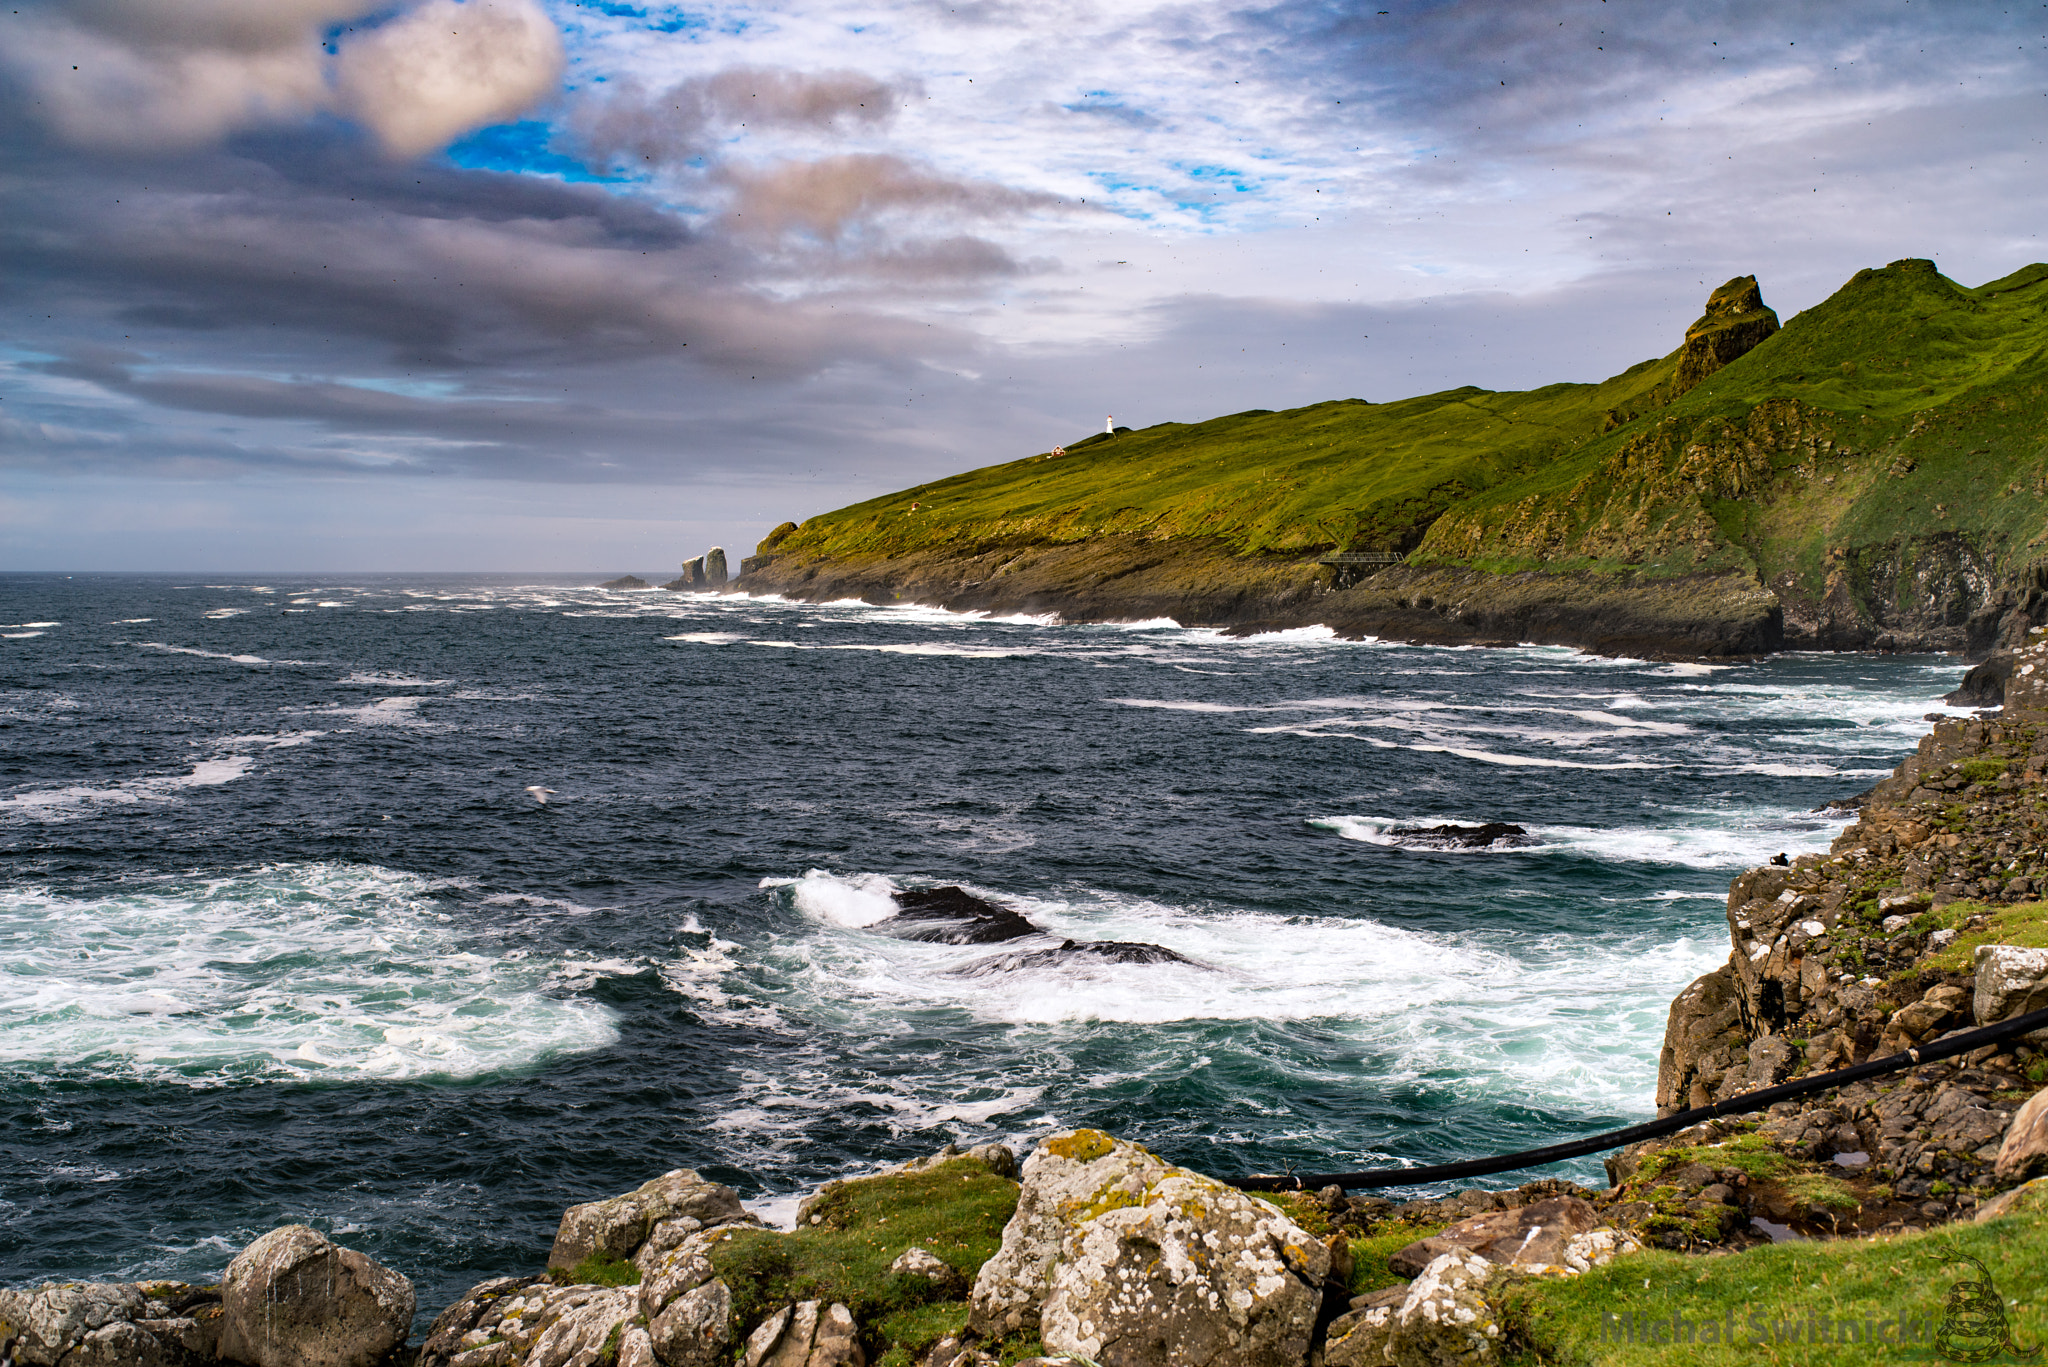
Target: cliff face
(1867, 476)
(1892, 940)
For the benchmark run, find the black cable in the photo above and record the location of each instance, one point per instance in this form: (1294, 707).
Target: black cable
(1946, 1047)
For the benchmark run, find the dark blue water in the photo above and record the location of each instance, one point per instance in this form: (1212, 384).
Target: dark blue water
(285, 936)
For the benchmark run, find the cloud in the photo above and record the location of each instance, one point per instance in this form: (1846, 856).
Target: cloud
(825, 196)
(623, 124)
(445, 68)
(154, 75)
(145, 74)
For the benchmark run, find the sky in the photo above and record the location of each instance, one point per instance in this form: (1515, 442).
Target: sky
(587, 285)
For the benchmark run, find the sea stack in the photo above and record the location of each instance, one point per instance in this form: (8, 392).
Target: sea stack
(714, 568)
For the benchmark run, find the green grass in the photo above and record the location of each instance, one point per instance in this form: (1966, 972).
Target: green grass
(2022, 923)
(1369, 1271)
(599, 1269)
(956, 1210)
(1858, 443)
(1787, 1288)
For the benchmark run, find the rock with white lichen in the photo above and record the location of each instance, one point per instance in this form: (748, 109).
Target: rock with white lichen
(1117, 1256)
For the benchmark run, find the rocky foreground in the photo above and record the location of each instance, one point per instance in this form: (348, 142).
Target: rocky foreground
(1925, 919)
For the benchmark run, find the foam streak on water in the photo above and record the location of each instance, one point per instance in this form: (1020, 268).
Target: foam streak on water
(286, 935)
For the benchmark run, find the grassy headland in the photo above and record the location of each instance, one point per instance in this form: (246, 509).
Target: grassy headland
(1873, 469)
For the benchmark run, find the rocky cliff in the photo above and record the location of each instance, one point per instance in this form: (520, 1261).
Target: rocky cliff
(1926, 918)
(1867, 476)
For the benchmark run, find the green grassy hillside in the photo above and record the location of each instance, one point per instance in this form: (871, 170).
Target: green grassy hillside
(1878, 461)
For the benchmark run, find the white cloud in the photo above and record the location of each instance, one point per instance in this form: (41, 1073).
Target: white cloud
(150, 75)
(445, 68)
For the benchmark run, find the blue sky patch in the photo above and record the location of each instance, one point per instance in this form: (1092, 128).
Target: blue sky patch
(523, 148)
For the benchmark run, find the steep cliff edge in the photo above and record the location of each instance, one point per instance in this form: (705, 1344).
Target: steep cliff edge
(1870, 475)
(1927, 917)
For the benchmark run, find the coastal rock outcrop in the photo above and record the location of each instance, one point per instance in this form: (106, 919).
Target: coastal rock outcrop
(952, 916)
(111, 1324)
(1450, 836)
(1075, 952)
(294, 1298)
(679, 1314)
(1735, 321)
(619, 1226)
(807, 1334)
(626, 581)
(1903, 933)
(1118, 1256)
(1531, 1236)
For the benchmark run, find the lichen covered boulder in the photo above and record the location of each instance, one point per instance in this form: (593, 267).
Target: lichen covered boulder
(618, 1226)
(1445, 1320)
(111, 1324)
(294, 1298)
(808, 1334)
(1117, 1256)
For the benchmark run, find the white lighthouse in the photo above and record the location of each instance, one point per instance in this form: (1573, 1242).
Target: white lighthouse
(1109, 424)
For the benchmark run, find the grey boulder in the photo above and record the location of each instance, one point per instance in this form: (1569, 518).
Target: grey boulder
(294, 1298)
(1117, 1256)
(618, 1226)
(809, 1334)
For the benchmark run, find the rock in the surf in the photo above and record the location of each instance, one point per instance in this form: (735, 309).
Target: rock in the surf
(294, 1298)
(1076, 952)
(625, 581)
(1451, 836)
(617, 1227)
(714, 568)
(1117, 1256)
(952, 916)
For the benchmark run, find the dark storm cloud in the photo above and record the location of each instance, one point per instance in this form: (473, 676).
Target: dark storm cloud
(1539, 67)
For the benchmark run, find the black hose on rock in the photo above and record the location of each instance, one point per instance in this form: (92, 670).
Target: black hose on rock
(1948, 1046)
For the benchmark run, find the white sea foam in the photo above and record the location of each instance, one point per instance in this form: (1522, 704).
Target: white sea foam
(287, 971)
(57, 803)
(384, 679)
(1678, 843)
(881, 648)
(226, 612)
(33, 626)
(383, 712)
(212, 654)
(1552, 1017)
(18, 635)
(860, 900)
(708, 638)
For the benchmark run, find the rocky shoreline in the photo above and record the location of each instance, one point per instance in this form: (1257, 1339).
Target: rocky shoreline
(1200, 582)
(1926, 918)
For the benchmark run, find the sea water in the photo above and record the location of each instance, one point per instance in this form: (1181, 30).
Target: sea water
(286, 935)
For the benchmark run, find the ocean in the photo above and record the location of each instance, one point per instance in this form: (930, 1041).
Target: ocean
(287, 936)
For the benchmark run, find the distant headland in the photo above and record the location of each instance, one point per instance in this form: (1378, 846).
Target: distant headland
(1870, 476)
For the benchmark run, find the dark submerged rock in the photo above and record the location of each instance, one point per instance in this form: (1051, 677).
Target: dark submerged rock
(1464, 837)
(1076, 951)
(1984, 685)
(952, 916)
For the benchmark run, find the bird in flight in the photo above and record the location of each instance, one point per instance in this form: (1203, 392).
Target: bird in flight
(540, 794)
